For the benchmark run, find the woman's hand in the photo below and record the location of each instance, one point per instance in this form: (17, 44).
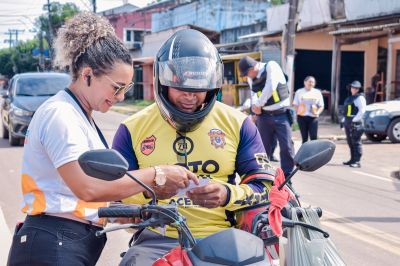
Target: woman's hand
(177, 177)
(256, 109)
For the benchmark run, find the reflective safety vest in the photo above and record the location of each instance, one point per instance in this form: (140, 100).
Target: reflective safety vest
(350, 109)
(279, 94)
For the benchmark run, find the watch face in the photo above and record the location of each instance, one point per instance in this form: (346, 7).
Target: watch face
(161, 179)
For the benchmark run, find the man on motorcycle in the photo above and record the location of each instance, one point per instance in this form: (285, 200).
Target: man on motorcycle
(186, 126)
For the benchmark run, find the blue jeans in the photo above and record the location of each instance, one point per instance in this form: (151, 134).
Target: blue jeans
(271, 126)
(50, 240)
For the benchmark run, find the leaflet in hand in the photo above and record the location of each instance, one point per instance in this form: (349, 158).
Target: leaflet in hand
(202, 182)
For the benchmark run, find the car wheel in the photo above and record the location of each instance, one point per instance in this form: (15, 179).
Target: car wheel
(394, 131)
(375, 137)
(5, 132)
(14, 141)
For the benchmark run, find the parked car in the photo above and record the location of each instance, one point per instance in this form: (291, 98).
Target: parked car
(25, 93)
(382, 120)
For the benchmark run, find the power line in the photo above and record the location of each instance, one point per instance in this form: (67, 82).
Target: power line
(20, 15)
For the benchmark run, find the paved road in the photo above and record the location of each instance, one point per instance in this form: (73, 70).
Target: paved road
(361, 206)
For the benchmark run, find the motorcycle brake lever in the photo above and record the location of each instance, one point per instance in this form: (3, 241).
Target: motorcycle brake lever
(117, 227)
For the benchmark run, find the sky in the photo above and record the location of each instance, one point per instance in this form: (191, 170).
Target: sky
(20, 14)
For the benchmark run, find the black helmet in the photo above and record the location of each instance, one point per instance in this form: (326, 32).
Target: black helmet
(356, 84)
(190, 62)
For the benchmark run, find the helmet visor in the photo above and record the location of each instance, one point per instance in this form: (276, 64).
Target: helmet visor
(193, 73)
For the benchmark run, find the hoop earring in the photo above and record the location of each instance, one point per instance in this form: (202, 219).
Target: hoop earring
(88, 80)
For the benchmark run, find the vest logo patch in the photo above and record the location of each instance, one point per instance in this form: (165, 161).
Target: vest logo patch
(217, 138)
(148, 145)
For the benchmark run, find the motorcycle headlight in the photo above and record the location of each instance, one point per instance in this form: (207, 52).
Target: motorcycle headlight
(20, 112)
(378, 113)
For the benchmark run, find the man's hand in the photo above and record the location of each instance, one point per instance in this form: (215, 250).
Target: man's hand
(210, 196)
(256, 109)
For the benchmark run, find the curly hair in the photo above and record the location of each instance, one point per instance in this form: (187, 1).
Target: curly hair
(89, 40)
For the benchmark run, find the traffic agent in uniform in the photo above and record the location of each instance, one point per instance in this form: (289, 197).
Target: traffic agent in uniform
(354, 109)
(271, 107)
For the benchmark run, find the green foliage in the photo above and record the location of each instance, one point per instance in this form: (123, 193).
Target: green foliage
(19, 59)
(6, 65)
(278, 2)
(59, 13)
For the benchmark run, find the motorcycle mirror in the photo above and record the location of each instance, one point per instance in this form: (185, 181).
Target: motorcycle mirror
(314, 154)
(105, 164)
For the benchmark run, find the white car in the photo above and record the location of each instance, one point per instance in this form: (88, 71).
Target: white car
(382, 120)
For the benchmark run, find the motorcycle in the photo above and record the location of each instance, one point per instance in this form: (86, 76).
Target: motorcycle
(251, 246)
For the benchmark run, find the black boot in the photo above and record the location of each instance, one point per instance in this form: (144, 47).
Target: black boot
(349, 162)
(274, 159)
(355, 165)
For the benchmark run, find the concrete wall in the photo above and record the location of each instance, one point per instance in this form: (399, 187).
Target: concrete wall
(322, 41)
(138, 20)
(359, 9)
(148, 89)
(313, 13)
(152, 42)
(214, 15)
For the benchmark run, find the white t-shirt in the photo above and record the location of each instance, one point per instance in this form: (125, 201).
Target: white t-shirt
(308, 102)
(274, 77)
(58, 134)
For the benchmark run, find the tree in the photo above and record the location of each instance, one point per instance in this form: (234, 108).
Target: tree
(6, 65)
(19, 59)
(59, 13)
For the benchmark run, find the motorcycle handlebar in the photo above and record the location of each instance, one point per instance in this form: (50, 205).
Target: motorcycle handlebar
(128, 212)
(318, 210)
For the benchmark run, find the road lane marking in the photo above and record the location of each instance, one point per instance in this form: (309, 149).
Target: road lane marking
(377, 177)
(5, 238)
(367, 234)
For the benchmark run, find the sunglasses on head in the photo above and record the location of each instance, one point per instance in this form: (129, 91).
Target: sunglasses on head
(120, 88)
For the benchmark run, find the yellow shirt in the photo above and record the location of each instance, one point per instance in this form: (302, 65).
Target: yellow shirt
(226, 143)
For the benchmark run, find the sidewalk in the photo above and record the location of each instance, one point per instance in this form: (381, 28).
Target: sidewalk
(326, 130)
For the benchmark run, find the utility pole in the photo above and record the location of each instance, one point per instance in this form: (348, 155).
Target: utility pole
(16, 35)
(289, 39)
(41, 56)
(94, 6)
(50, 37)
(9, 33)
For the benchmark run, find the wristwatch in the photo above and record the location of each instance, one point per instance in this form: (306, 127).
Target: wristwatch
(161, 178)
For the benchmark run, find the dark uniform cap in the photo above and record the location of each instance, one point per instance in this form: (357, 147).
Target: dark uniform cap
(356, 84)
(245, 64)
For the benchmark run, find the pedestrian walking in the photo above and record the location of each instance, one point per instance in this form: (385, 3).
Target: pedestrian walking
(309, 104)
(271, 107)
(354, 108)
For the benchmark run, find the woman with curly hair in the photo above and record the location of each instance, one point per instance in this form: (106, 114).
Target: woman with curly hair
(60, 200)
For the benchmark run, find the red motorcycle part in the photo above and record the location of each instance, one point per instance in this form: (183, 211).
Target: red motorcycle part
(176, 257)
